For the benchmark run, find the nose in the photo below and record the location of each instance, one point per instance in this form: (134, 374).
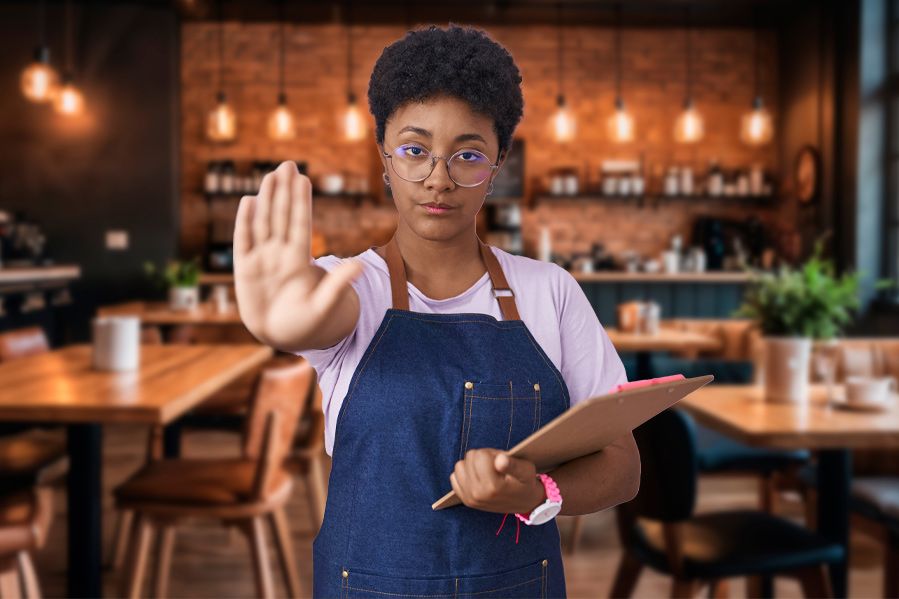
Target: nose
(439, 179)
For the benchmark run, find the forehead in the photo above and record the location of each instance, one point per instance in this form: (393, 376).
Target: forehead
(444, 117)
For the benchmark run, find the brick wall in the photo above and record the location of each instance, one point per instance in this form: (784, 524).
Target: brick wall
(653, 88)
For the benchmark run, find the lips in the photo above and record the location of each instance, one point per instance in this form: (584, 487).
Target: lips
(437, 205)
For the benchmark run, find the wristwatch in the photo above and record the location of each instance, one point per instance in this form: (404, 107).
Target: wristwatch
(547, 510)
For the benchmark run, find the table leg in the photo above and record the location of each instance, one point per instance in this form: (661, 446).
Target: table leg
(643, 367)
(171, 440)
(85, 498)
(834, 482)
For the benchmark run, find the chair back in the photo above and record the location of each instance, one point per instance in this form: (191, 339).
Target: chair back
(278, 403)
(23, 342)
(669, 467)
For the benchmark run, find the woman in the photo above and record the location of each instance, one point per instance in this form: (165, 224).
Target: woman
(435, 352)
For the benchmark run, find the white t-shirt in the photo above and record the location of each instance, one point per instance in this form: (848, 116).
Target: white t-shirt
(549, 300)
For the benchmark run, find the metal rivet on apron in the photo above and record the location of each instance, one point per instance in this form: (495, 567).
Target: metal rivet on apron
(469, 385)
(346, 574)
(545, 562)
(536, 386)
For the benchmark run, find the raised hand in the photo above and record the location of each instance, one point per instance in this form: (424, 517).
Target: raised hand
(284, 299)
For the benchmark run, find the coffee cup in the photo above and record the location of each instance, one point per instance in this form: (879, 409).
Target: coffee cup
(116, 343)
(869, 390)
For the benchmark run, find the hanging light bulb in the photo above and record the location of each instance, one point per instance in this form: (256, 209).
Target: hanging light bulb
(689, 127)
(221, 123)
(353, 121)
(620, 126)
(756, 126)
(39, 79)
(68, 99)
(563, 121)
(280, 122)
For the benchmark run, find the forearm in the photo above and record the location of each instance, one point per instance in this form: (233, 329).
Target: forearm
(600, 480)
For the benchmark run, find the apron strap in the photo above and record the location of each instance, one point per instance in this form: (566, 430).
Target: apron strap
(501, 290)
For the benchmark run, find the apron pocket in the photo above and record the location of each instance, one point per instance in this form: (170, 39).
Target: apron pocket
(526, 582)
(498, 415)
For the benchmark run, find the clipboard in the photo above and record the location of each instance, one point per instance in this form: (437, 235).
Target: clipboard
(593, 424)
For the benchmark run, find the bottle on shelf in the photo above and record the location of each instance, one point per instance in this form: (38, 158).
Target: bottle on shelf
(714, 179)
(227, 182)
(212, 180)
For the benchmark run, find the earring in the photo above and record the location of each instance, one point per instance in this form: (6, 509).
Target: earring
(386, 178)
(490, 188)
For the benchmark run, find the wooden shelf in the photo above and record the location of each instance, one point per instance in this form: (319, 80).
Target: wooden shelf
(655, 199)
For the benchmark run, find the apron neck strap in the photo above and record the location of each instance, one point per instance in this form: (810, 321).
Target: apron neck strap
(501, 290)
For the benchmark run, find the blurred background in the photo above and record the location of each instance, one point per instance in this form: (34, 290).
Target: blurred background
(672, 154)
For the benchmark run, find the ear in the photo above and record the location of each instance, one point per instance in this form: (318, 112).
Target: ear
(381, 155)
(499, 164)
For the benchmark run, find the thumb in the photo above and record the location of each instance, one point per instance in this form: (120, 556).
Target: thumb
(519, 469)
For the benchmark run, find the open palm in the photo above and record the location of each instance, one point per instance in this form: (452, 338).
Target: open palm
(281, 295)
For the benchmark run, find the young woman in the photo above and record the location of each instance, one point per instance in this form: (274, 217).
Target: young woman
(435, 353)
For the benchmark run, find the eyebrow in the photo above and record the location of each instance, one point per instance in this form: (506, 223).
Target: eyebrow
(426, 133)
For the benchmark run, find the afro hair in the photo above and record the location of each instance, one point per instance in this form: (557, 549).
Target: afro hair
(457, 61)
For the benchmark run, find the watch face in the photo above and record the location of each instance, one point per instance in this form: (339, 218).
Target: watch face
(545, 513)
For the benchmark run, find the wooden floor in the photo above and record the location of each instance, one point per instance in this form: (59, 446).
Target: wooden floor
(210, 561)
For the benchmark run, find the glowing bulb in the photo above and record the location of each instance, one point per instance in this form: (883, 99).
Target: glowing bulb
(280, 122)
(68, 100)
(689, 127)
(353, 124)
(620, 126)
(221, 123)
(39, 80)
(564, 125)
(756, 127)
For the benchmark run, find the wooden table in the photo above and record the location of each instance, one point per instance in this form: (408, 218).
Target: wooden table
(61, 387)
(666, 339)
(741, 411)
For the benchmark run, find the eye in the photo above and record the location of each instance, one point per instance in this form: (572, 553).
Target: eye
(410, 151)
(471, 156)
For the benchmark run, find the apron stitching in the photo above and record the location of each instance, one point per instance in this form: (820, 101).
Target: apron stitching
(536, 405)
(464, 417)
(511, 414)
(470, 416)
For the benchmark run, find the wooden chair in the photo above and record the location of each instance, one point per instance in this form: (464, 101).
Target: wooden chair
(659, 529)
(242, 492)
(25, 517)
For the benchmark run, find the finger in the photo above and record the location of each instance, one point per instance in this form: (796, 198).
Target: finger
(243, 227)
(458, 486)
(487, 473)
(262, 207)
(521, 470)
(329, 290)
(280, 216)
(300, 231)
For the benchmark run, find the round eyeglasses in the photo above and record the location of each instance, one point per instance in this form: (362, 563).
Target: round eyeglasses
(467, 168)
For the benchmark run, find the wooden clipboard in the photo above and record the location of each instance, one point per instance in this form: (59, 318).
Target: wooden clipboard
(592, 424)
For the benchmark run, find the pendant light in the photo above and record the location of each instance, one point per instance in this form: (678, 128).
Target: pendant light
(756, 127)
(353, 122)
(281, 125)
(68, 99)
(221, 122)
(39, 79)
(689, 127)
(564, 126)
(620, 125)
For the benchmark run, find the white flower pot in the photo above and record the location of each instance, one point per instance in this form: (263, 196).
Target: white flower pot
(184, 298)
(787, 369)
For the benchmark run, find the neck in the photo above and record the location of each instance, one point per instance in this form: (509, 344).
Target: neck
(441, 267)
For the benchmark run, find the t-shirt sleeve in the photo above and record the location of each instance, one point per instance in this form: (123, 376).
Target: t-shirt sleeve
(590, 364)
(329, 357)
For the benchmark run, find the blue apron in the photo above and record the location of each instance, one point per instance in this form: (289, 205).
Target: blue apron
(428, 388)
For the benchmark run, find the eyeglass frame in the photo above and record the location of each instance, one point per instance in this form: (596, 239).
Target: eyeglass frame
(435, 158)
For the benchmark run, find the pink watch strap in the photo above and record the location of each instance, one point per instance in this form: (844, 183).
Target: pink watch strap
(552, 494)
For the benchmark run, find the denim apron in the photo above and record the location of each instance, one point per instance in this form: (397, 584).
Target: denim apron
(428, 388)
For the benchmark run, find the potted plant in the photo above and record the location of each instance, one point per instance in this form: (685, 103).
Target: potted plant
(793, 307)
(182, 278)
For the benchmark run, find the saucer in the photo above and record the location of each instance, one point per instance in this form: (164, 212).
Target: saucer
(857, 406)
